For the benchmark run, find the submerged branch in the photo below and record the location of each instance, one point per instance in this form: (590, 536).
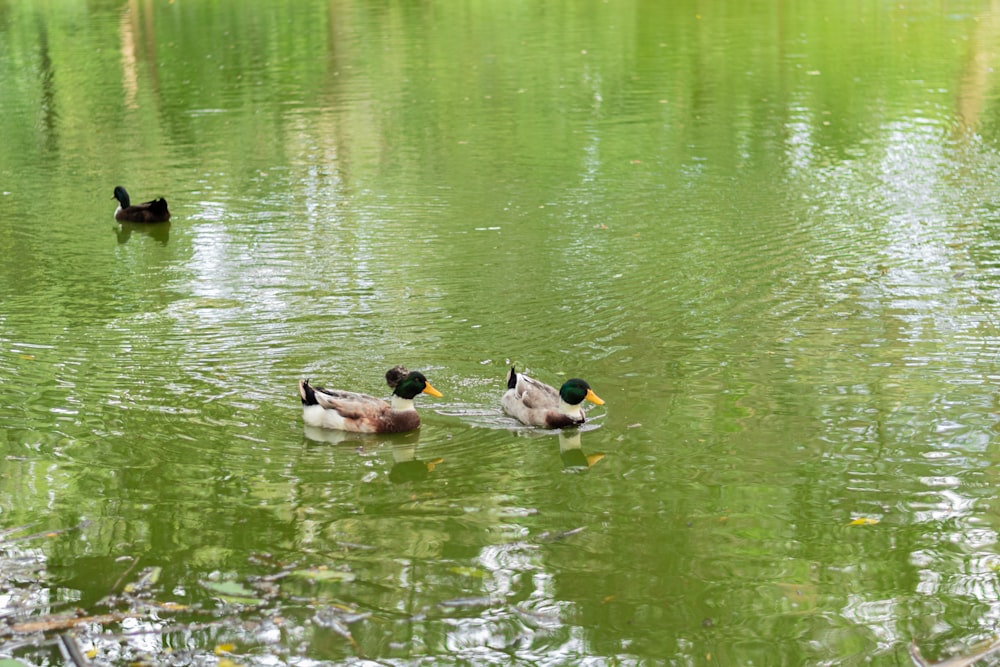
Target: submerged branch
(957, 661)
(51, 623)
(71, 651)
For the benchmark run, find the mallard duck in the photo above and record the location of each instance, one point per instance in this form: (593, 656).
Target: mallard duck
(537, 404)
(149, 211)
(360, 413)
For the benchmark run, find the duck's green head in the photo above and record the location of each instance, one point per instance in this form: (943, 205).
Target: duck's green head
(413, 384)
(121, 195)
(576, 391)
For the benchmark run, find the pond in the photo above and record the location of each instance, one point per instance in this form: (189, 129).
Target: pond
(767, 234)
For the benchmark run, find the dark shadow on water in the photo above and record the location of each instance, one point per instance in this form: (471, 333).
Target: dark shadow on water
(570, 440)
(406, 467)
(571, 450)
(159, 231)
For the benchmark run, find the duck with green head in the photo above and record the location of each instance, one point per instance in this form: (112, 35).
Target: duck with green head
(361, 413)
(149, 211)
(537, 404)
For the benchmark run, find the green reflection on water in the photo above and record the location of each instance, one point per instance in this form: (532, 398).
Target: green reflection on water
(764, 234)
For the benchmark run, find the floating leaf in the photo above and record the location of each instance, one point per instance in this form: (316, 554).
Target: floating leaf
(863, 521)
(323, 574)
(227, 587)
(468, 571)
(149, 577)
(224, 648)
(232, 592)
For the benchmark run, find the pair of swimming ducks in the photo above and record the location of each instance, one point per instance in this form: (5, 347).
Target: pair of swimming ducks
(529, 401)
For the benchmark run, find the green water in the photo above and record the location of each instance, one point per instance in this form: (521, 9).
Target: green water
(766, 233)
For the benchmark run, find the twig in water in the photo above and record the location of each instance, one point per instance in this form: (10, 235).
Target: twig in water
(957, 661)
(71, 650)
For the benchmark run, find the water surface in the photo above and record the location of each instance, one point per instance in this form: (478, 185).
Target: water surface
(766, 235)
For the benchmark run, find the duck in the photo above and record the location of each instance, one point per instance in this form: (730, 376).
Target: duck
(360, 413)
(537, 404)
(149, 211)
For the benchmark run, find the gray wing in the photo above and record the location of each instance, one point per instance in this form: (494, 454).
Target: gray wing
(334, 399)
(535, 394)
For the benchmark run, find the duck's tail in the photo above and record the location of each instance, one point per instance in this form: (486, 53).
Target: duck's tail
(511, 378)
(306, 393)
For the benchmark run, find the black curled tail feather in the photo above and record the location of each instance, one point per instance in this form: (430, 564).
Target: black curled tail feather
(512, 378)
(306, 393)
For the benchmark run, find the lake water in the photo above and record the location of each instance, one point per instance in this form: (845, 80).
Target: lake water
(768, 235)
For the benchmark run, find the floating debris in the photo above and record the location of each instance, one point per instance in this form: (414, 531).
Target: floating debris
(466, 603)
(548, 536)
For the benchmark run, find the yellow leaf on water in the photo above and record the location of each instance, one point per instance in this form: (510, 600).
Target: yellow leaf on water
(224, 648)
(863, 521)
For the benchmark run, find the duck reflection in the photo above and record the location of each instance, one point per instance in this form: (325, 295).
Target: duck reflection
(406, 467)
(571, 450)
(159, 231)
